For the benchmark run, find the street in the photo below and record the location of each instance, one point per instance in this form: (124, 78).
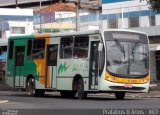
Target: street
(20, 100)
(20, 103)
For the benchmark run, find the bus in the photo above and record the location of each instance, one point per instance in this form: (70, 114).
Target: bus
(98, 61)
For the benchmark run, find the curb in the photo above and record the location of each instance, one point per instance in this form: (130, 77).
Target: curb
(4, 101)
(132, 96)
(139, 96)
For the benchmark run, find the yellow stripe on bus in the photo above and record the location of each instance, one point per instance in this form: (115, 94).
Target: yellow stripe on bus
(115, 79)
(43, 35)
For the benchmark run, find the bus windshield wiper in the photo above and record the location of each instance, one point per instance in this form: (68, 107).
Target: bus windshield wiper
(134, 47)
(121, 48)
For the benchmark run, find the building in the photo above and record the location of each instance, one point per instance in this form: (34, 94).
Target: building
(49, 19)
(62, 17)
(136, 15)
(33, 4)
(13, 22)
(89, 9)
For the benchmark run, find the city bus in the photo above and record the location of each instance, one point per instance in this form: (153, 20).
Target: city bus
(95, 61)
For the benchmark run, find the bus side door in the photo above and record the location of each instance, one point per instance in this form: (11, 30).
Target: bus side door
(94, 65)
(19, 63)
(51, 66)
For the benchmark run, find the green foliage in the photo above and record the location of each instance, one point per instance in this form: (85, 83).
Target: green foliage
(155, 4)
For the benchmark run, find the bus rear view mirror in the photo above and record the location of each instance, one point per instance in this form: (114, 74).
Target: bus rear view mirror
(100, 46)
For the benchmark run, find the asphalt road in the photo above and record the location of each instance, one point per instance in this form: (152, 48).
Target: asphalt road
(20, 100)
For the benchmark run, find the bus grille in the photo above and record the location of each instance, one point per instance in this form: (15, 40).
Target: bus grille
(126, 88)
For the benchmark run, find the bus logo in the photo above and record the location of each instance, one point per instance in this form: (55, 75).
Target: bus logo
(62, 68)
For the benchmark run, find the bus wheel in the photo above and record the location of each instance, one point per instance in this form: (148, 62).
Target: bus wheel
(31, 87)
(120, 95)
(68, 94)
(81, 93)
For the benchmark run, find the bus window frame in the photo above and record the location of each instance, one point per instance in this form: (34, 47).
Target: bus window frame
(61, 53)
(11, 50)
(34, 49)
(81, 37)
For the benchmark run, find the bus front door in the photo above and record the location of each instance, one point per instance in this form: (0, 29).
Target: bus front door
(93, 81)
(19, 63)
(51, 68)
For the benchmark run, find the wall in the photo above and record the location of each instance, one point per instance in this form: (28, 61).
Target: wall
(152, 66)
(113, 9)
(15, 18)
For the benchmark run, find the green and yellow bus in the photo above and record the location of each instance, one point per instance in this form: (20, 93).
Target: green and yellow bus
(108, 61)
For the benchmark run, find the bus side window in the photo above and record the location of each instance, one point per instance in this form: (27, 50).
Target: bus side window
(20, 55)
(38, 49)
(81, 46)
(11, 45)
(52, 55)
(66, 50)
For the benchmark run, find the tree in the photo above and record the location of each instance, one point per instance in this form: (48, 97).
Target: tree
(155, 4)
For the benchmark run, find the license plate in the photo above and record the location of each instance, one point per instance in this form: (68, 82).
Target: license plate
(128, 86)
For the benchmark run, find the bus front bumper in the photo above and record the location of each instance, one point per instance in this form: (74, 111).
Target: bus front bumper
(113, 87)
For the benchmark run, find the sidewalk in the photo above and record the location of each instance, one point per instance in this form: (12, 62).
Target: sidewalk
(4, 87)
(151, 94)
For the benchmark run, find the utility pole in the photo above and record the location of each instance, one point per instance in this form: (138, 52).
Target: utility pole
(40, 5)
(77, 3)
(16, 3)
(1, 22)
(77, 16)
(122, 14)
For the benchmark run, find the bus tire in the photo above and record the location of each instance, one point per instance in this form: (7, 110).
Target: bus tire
(120, 95)
(81, 93)
(68, 94)
(31, 87)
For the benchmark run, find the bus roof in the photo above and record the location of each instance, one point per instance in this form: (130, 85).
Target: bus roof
(92, 32)
(41, 35)
(127, 30)
(23, 36)
(75, 33)
(32, 36)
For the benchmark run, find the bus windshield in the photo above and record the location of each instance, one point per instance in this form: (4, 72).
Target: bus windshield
(127, 57)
